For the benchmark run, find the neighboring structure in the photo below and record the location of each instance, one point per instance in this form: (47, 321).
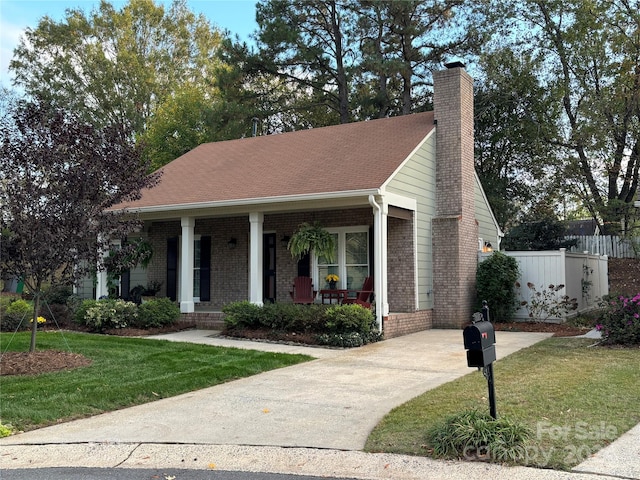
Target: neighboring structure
(583, 227)
(400, 194)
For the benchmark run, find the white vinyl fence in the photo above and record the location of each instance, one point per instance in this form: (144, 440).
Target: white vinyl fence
(610, 245)
(585, 277)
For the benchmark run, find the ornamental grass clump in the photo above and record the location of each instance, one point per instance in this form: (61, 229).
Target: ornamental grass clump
(620, 321)
(473, 435)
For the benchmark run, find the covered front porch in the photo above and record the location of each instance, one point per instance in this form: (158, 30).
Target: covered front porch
(207, 261)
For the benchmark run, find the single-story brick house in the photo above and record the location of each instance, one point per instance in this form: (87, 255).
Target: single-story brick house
(400, 195)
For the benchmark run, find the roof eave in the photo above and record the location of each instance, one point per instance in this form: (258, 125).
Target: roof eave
(255, 201)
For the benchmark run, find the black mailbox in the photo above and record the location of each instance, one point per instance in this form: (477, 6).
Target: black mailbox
(479, 340)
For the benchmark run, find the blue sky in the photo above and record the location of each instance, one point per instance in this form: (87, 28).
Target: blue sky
(237, 16)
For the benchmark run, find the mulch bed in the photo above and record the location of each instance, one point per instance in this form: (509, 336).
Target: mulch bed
(271, 336)
(558, 329)
(25, 363)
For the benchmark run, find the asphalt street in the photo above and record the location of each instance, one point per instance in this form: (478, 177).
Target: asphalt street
(143, 474)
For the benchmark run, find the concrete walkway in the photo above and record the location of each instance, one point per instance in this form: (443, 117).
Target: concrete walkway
(311, 419)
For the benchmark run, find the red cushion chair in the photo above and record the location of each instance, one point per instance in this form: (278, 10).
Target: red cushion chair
(303, 291)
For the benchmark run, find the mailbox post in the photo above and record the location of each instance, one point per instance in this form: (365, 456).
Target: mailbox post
(479, 341)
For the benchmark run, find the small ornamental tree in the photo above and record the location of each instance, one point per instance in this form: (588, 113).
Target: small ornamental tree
(59, 179)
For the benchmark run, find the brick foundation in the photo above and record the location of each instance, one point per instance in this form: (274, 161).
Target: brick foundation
(398, 324)
(204, 320)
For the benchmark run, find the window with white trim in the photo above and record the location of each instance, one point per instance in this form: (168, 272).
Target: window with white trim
(351, 259)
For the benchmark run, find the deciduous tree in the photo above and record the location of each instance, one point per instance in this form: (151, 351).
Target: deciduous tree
(587, 63)
(119, 66)
(59, 178)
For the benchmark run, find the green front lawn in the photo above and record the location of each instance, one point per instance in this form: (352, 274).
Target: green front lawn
(575, 398)
(124, 372)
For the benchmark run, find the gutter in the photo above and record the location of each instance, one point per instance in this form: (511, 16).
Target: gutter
(378, 254)
(249, 201)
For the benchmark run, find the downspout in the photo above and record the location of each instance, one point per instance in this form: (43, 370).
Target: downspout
(377, 274)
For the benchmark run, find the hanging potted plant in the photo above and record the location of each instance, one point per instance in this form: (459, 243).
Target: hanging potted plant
(312, 238)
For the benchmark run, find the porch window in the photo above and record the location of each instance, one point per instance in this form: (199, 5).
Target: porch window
(351, 259)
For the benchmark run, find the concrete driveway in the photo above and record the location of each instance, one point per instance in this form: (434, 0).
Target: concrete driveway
(332, 402)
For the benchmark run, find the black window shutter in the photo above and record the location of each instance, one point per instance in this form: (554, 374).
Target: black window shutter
(205, 269)
(125, 285)
(172, 268)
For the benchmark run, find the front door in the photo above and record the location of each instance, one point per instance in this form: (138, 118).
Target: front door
(269, 268)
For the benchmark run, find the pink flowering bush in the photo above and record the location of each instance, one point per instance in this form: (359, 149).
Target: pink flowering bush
(620, 322)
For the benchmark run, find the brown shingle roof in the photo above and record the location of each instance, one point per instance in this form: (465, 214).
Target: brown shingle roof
(339, 158)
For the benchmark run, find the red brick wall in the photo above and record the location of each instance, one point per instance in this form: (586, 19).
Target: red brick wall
(401, 286)
(158, 234)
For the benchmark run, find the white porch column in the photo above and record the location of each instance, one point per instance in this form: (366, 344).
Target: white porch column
(102, 281)
(102, 290)
(186, 265)
(256, 220)
(380, 215)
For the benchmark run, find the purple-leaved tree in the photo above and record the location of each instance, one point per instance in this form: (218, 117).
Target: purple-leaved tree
(59, 178)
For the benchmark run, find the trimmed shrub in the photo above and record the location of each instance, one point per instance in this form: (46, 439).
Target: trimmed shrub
(15, 313)
(475, 435)
(496, 279)
(334, 325)
(56, 314)
(80, 310)
(349, 318)
(287, 317)
(58, 294)
(157, 313)
(278, 317)
(108, 313)
(238, 315)
(349, 326)
(620, 320)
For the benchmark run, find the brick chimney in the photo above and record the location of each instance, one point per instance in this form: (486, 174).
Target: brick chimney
(454, 228)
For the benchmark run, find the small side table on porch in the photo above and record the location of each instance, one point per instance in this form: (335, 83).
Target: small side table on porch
(330, 295)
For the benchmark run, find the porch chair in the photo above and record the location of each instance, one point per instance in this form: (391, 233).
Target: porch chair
(363, 297)
(303, 291)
